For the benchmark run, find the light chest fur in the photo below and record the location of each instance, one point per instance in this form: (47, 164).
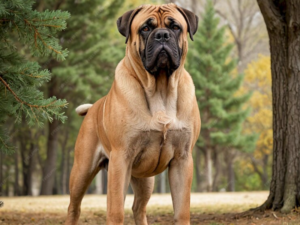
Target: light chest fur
(154, 149)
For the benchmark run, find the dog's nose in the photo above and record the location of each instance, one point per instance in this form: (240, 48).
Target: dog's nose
(162, 35)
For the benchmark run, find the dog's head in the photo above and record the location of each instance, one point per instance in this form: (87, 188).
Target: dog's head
(158, 35)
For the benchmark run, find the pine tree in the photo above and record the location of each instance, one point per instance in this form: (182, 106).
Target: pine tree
(222, 111)
(20, 78)
(86, 75)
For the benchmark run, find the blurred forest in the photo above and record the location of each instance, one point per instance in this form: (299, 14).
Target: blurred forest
(229, 62)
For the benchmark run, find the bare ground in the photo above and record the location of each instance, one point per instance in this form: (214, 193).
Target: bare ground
(206, 209)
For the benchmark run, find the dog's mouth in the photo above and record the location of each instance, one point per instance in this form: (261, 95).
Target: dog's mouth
(162, 58)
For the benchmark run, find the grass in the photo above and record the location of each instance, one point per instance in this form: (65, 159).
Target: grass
(206, 209)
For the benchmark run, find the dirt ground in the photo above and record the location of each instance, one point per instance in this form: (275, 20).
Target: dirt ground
(206, 209)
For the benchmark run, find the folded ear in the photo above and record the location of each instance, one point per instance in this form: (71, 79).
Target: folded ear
(191, 20)
(124, 22)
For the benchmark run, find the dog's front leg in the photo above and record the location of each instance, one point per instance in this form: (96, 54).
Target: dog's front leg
(119, 174)
(180, 178)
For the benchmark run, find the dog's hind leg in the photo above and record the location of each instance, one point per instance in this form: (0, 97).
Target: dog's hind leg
(88, 160)
(142, 188)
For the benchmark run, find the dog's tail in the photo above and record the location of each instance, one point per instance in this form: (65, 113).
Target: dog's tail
(83, 109)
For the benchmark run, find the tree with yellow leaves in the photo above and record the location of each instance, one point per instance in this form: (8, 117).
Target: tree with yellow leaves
(258, 81)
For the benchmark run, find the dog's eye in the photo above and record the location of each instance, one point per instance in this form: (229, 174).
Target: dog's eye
(175, 27)
(145, 29)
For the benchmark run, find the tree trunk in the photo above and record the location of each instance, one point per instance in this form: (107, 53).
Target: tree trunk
(157, 182)
(68, 171)
(62, 171)
(50, 164)
(208, 169)
(27, 165)
(230, 171)
(282, 19)
(16, 183)
(63, 166)
(197, 168)
(1, 174)
(49, 169)
(217, 171)
(6, 193)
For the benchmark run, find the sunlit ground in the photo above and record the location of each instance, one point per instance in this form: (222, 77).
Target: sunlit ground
(205, 209)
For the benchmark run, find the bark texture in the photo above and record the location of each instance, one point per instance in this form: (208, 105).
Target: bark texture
(27, 149)
(16, 183)
(1, 174)
(282, 19)
(49, 169)
(230, 171)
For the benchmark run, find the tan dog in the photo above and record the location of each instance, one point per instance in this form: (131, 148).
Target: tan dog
(149, 120)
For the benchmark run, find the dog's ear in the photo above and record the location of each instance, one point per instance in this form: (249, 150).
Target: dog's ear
(124, 22)
(191, 20)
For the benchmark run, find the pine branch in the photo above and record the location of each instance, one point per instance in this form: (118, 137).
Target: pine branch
(26, 103)
(38, 35)
(19, 24)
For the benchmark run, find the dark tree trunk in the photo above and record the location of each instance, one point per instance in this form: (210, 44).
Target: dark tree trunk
(68, 171)
(16, 183)
(217, 165)
(282, 19)
(1, 174)
(27, 165)
(55, 186)
(63, 166)
(7, 181)
(230, 171)
(49, 169)
(50, 163)
(157, 183)
(63, 171)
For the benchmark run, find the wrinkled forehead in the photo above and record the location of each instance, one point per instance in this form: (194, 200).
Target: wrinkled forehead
(162, 15)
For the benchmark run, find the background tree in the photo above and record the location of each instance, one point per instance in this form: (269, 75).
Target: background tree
(244, 21)
(95, 48)
(21, 78)
(87, 74)
(222, 112)
(258, 81)
(283, 23)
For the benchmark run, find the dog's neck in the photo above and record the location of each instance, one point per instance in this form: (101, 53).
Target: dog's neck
(161, 90)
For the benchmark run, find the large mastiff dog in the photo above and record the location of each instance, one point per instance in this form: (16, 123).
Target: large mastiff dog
(148, 122)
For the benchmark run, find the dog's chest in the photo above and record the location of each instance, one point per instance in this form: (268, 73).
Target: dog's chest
(153, 152)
